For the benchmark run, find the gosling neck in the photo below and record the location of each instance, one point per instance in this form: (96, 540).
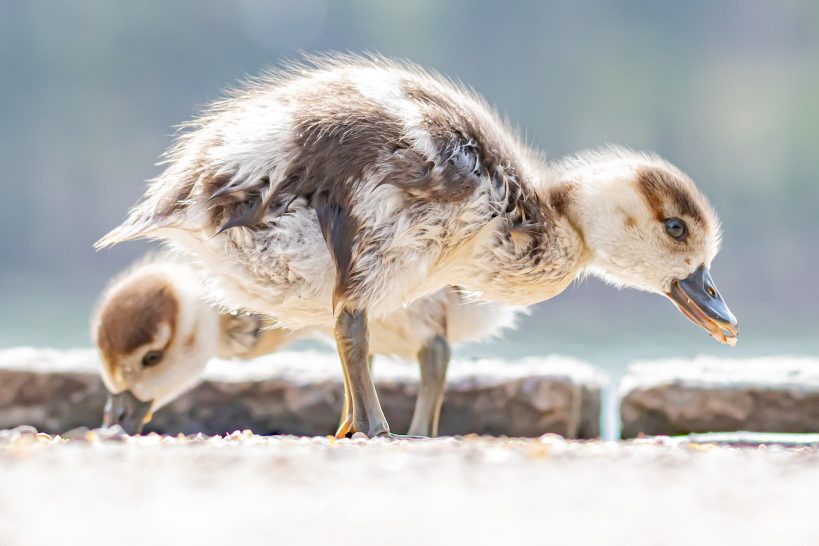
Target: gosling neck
(581, 196)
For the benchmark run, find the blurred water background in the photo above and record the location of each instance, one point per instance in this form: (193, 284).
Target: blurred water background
(90, 92)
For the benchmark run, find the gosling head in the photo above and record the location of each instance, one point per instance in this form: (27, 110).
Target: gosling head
(649, 227)
(154, 335)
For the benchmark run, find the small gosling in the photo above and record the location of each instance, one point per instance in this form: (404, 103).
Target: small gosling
(155, 333)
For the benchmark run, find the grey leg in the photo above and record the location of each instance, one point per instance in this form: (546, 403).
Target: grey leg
(352, 341)
(346, 421)
(434, 360)
(345, 424)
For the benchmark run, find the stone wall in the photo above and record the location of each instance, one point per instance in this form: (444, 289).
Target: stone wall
(671, 397)
(300, 393)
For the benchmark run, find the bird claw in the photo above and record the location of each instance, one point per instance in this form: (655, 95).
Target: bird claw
(345, 428)
(391, 436)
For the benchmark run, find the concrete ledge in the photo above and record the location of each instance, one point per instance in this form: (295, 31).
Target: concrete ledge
(224, 490)
(300, 393)
(753, 439)
(777, 394)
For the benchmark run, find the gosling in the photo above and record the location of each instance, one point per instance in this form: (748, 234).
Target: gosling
(155, 334)
(332, 193)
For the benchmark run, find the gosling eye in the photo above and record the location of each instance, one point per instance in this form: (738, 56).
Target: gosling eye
(676, 229)
(151, 358)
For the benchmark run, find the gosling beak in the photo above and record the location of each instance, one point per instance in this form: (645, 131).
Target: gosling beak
(128, 411)
(699, 300)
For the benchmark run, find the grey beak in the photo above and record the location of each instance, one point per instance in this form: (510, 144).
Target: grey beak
(698, 298)
(126, 410)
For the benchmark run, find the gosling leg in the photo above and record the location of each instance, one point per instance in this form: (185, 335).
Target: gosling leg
(352, 342)
(434, 360)
(346, 421)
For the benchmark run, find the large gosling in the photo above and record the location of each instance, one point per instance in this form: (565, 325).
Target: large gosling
(334, 193)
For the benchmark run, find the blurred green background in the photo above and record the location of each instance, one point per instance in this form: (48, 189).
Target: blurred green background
(90, 92)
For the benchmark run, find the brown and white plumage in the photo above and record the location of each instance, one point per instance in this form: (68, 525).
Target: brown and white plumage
(327, 193)
(157, 308)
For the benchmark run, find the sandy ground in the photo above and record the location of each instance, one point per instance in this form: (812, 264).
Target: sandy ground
(246, 489)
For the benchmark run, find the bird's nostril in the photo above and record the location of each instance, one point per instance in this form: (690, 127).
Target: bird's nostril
(121, 414)
(711, 292)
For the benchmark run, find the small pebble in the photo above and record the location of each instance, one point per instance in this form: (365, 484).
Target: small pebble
(113, 433)
(25, 430)
(78, 433)
(21, 436)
